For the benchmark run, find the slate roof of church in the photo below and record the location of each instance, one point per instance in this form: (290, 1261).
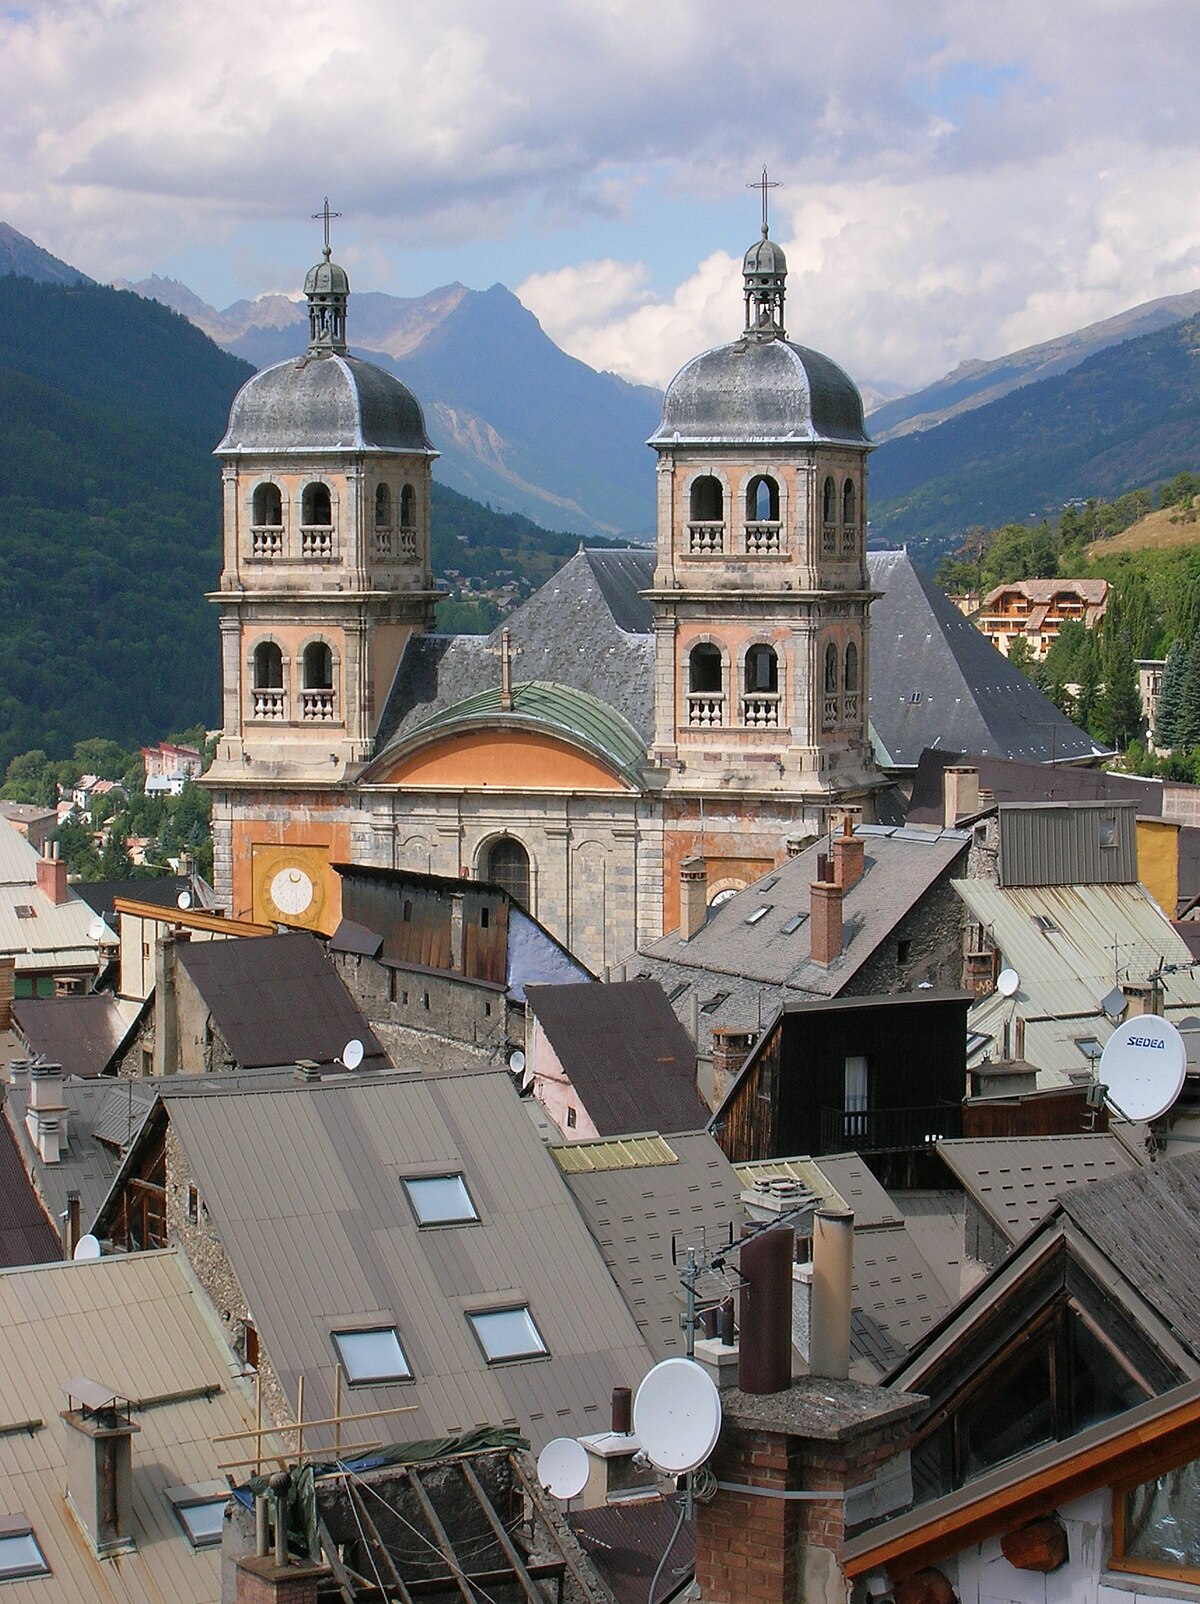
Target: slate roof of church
(936, 681)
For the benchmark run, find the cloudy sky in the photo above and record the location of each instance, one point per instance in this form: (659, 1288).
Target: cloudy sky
(956, 179)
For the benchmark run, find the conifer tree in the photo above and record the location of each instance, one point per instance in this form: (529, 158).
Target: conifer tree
(1170, 697)
(1188, 732)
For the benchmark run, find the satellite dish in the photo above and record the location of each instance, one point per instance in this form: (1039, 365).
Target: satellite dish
(562, 1467)
(516, 1062)
(184, 900)
(88, 1247)
(96, 930)
(1114, 1004)
(352, 1053)
(1144, 1065)
(1008, 982)
(677, 1415)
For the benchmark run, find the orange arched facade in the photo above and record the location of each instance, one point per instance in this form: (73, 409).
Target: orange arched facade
(503, 760)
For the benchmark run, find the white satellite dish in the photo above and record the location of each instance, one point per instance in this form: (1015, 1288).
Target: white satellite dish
(184, 900)
(1007, 982)
(352, 1053)
(1144, 1065)
(88, 1247)
(562, 1467)
(96, 930)
(677, 1415)
(516, 1062)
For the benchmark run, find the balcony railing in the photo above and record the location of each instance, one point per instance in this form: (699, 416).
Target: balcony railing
(885, 1130)
(266, 540)
(829, 539)
(316, 542)
(385, 545)
(829, 713)
(850, 707)
(270, 704)
(849, 539)
(317, 705)
(761, 711)
(408, 542)
(706, 539)
(705, 711)
(763, 539)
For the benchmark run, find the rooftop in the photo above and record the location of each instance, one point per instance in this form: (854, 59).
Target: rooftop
(1015, 1180)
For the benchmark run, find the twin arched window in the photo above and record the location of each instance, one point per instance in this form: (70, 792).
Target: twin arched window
(841, 701)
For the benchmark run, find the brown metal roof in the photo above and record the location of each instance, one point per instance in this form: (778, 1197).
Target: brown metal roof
(1016, 1179)
(302, 1183)
(625, 1053)
(26, 1234)
(83, 1034)
(626, 1541)
(278, 1000)
(636, 1211)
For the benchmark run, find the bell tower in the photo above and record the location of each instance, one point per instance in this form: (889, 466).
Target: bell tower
(761, 595)
(326, 575)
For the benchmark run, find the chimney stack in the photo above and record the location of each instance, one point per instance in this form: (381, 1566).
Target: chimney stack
(52, 875)
(960, 794)
(849, 853)
(730, 1050)
(8, 977)
(832, 1280)
(825, 919)
(693, 897)
(99, 1453)
(765, 1326)
(46, 1113)
(71, 1235)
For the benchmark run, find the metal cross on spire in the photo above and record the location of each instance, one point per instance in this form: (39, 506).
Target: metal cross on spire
(326, 216)
(763, 184)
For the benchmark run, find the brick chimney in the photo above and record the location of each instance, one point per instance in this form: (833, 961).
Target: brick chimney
(52, 875)
(260, 1580)
(849, 852)
(730, 1050)
(960, 794)
(825, 920)
(693, 897)
(8, 976)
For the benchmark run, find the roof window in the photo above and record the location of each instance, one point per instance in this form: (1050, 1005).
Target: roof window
(25, 910)
(794, 924)
(441, 1200)
(1089, 1047)
(201, 1515)
(20, 1553)
(1045, 924)
(713, 1002)
(508, 1334)
(372, 1356)
(759, 913)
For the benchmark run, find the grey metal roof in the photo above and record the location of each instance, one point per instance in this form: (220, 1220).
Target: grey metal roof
(325, 402)
(635, 1210)
(302, 1183)
(277, 1000)
(626, 1054)
(936, 681)
(896, 1289)
(587, 627)
(1008, 780)
(761, 391)
(1016, 1179)
(83, 1034)
(741, 973)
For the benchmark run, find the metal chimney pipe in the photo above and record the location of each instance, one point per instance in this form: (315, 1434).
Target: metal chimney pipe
(765, 1347)
(72, 1241)
(725, 1325)
(280, 1483)
(832, 1279)
(262, 1526)
(622, 1411)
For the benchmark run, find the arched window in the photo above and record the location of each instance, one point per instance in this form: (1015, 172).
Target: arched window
(408, 508)
(704, 671)
(268, 667)
(707, 500)
(849, 504)
(850, 678)
(268, 506)
(316, 507)
(383, 507)
(762, 500)
(831, 670)
(829, 502)
(507, 866)
(762, 670)
(318, 667)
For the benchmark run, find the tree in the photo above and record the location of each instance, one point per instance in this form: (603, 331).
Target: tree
(1188, 731)
(1170, 697)
(1020, 655)
(1119, 711)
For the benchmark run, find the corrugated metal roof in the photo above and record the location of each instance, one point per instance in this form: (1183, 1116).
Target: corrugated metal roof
(277, 1000)
(626, 1541)
(48, 935)
(1015, 1180)
(136, 1325)
(302, 1182)
(628, 1058)
(636, 1213)
(626, 1153)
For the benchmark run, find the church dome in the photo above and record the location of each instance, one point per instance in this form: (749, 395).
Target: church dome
(756, 390)
(324, 402)
(765, 259)
(327, 278)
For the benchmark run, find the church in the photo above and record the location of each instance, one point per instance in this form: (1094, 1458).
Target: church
(704, 698)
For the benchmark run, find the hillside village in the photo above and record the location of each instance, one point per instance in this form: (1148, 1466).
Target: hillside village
(693, 1091)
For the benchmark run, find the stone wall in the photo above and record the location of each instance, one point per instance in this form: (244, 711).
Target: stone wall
(926, 945)
(428, 1003)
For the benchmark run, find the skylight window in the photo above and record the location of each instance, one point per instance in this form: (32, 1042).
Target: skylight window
(25, 910)
(794, 924)
(1089, 1047)
(201, 1518)
(441, 1200)
(508, 1334)
(711, 1005)
(759, 913)
(20, 1554)
(1045, 924)
(373, 1356)
(676, 992)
